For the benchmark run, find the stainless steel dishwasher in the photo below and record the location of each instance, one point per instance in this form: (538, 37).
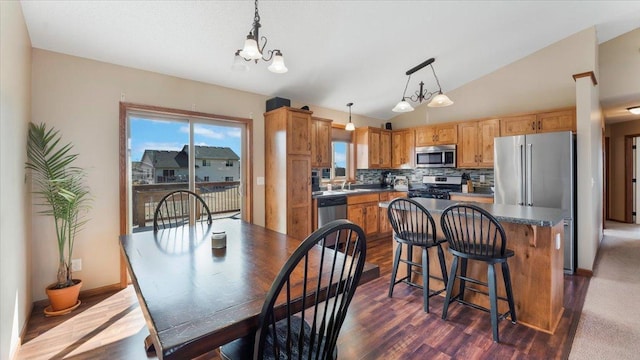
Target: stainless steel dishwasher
(331, 208)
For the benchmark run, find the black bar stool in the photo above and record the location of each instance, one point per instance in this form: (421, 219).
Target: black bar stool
(474, 234)
(413, 225)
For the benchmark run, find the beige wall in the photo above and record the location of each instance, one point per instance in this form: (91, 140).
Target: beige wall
(617, 133)
(540, 81)
(80, 97)
(615, 54)
(15, 209)
(620, 53)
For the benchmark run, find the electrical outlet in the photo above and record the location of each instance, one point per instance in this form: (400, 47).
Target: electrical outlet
(76, 264)
(361, 178)
(482, 178)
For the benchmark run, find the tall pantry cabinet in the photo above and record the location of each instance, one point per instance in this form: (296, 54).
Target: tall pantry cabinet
(288, 171)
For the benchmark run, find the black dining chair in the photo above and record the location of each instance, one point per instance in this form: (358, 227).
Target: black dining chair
(474, 234)
(178, 207)
(414, 226)
(308, 301)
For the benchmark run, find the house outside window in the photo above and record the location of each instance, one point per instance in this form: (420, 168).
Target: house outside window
(206, 162)
(228, 178)
(166, 173)
(206, 178)
(229, 163)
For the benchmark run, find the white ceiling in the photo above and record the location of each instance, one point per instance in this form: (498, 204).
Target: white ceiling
(336, 51)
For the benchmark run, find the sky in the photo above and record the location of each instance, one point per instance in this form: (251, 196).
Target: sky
(158, 134)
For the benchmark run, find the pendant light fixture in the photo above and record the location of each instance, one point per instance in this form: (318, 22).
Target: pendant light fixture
(350, 126)
(253, 51)
(438, 99)
(634, 110)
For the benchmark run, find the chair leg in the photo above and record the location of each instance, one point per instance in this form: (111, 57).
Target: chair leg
(452, 278)
(493, 299)
(394, 271)
(463, 272)
(506, 274)
(425, 279)
(443, 265)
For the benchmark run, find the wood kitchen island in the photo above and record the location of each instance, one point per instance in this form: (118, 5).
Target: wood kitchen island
(536, 235)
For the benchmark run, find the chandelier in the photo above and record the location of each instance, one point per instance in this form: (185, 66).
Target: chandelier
(439, 100)
(253, 51)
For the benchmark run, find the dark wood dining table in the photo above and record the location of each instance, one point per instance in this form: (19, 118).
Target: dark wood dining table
(195, 298)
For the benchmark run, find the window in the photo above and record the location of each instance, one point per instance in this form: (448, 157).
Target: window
(228, 178)
(339, 161)
(206, 162)
(168, 173)
(229, 163)
(206, 178)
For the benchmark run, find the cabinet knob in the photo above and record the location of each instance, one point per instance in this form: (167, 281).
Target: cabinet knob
(533, 125)
(539, 125)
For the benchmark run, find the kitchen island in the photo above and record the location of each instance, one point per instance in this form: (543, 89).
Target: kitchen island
(536, 235)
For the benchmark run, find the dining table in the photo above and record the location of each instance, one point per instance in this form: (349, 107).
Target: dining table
(196, 298)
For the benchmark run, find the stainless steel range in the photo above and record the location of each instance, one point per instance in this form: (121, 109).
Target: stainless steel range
(437, 187)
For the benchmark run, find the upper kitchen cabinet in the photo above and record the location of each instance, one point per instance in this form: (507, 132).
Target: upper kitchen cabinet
(475, 143)
(402, 148)
(288, 171)
(373, 148)
(320, 143)
(560, 120)
(444, 134)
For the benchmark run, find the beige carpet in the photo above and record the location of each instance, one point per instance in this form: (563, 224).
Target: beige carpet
(609, 327)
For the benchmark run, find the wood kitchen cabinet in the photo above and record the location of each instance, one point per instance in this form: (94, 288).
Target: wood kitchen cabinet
(373, 148)
(559, 120)
(443, 134)
(363, 210)
(288, 171)
(402, 148)
(320, 143)
(475, 143)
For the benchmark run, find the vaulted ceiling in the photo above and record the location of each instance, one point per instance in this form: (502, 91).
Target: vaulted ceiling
(336, 51)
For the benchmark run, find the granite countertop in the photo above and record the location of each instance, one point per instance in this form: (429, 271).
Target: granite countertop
(477, 194)
(527, 215)
(355, 190)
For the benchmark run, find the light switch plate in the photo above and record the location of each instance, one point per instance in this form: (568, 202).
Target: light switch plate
(260, 180)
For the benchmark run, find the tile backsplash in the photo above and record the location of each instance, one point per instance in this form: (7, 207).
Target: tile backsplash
(415, 175)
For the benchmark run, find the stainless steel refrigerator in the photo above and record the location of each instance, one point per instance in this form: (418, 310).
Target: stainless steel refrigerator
(539, 170)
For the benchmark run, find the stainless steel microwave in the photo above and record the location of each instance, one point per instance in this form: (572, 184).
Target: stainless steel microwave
(436, 156)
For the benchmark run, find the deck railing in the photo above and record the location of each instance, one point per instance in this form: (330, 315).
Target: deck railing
(221, 198)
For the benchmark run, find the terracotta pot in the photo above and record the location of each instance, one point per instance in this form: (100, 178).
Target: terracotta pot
(64, 298)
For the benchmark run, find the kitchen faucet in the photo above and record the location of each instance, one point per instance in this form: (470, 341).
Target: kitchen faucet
(344, 182)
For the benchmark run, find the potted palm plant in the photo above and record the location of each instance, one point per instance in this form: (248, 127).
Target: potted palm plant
(64, 195)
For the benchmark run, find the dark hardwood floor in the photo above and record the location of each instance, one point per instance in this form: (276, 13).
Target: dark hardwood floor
(111, 326)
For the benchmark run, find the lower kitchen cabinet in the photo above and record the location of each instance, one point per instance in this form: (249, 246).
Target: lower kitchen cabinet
(363, 210)
(385, 225)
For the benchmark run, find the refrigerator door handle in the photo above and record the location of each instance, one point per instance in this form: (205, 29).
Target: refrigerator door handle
(522, 176)
(529, 175)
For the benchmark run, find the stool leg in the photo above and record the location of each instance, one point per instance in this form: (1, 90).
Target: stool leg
(443, 265)
(425, 280)
(506, 274)
(463, 272)
(452, 278)
(396, 261)
(410, 258)
(493, 299)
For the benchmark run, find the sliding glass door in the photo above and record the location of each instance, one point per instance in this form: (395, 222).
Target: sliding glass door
(171, 152)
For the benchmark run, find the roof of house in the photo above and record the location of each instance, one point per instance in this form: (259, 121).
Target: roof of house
(180, 159)
(167, 158)
(213, 152)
